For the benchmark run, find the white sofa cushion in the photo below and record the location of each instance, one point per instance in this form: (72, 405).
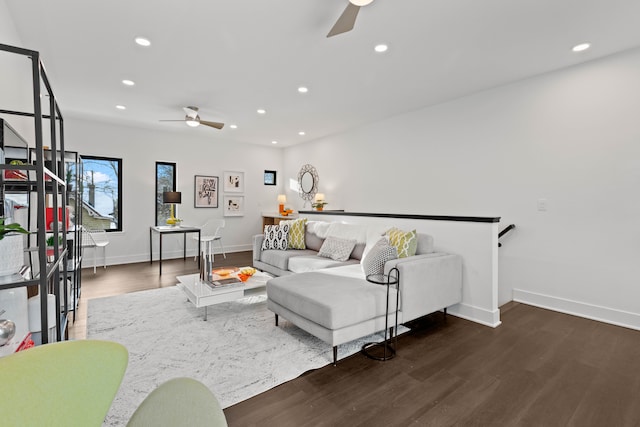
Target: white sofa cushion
(304, 264)
(331, 301)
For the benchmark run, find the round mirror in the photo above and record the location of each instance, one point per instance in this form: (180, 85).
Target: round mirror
(308, 182)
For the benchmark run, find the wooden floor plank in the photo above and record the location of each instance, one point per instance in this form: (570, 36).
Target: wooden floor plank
(539, 368)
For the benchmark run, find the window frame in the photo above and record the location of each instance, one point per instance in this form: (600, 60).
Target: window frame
(175, 179)
(119, 162)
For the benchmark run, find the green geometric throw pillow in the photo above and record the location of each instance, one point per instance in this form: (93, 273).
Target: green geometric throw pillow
(406, 242)
(296, 233)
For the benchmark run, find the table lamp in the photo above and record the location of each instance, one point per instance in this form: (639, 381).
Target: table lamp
(282, 199)
(172, 197)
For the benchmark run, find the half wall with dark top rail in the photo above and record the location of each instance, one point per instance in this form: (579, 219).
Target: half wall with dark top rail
(474, 238)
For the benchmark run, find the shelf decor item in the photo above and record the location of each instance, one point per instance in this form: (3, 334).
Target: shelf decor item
(11, 248)
(319, 202)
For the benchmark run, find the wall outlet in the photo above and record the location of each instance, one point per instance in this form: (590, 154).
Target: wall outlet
(542, 205)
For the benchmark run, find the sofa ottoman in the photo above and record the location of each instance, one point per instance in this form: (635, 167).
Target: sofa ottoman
(337, 309)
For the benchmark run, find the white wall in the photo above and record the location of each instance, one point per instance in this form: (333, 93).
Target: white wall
(195, 152)
(570, 137)
(15, 73)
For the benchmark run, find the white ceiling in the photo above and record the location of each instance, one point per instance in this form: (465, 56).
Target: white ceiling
(235, 56)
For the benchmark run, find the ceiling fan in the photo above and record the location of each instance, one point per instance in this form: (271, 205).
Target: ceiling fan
(192, 119)
(348, 18)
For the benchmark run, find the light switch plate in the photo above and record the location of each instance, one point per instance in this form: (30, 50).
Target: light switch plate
(542, 205)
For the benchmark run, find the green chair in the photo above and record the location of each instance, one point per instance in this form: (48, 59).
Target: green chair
(179, 402)
(68, 383)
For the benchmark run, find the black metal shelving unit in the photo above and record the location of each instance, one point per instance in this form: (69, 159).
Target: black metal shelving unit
(44, 180)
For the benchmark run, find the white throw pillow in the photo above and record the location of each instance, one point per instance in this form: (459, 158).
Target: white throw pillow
(380, 253)
(336, 248)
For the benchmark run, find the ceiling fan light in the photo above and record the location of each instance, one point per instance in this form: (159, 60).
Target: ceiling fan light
(360, 2)
(192, 123)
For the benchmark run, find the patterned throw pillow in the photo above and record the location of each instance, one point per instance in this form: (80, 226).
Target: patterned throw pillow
(296, 233)
(275, 237)
(336, 248)
(406, 242)
(379, 254)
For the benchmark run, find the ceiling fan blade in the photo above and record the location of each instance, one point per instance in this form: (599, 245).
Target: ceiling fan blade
(191, 112)
(346, 21)
(171, 120)
(212, 124)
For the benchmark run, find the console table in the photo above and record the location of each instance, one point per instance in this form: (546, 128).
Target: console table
(162, 230)
(269, 218)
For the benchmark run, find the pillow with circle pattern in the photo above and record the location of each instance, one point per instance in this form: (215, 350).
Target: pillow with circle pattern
(276, 237)
(380, 253)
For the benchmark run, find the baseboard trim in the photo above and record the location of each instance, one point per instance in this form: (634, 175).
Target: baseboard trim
(476, 314)
(612, 316)
(166, 255)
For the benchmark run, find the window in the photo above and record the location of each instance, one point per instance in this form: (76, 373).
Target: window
(165, 181)
(101, 189)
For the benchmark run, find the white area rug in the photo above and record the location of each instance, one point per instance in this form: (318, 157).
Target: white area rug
(238, 352)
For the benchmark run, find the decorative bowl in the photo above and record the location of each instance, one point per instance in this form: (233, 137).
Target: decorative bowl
(225, 271)
(7, 331)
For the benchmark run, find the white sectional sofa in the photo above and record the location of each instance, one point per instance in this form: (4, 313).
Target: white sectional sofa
(333, 300)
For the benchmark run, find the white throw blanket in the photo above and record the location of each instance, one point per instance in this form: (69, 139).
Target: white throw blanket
(342, 230)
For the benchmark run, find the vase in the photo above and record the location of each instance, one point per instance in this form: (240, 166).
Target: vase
(11, 254)
(319, 208)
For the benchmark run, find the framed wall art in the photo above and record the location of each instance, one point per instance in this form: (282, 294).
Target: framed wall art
(270, 177)
(206, 191)
(233, 182)
(233, 205)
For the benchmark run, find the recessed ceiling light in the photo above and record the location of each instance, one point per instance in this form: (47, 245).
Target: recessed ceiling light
(142, 41)
(581, 47)
(274, 142)
(381, 48)
(121, 107)
(303, 89)
(233, 126)
(261, 111)
(301, 133)
(128, 82)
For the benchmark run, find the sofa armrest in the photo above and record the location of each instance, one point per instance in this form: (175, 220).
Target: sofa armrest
(257, 246)
(428, 283)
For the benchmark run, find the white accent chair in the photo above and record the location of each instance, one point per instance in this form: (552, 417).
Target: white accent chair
(95, 239)
(211, 232)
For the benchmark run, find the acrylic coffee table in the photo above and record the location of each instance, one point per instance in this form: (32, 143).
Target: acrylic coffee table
(202, 294)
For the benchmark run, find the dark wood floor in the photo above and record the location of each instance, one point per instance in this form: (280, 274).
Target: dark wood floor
(539, 368)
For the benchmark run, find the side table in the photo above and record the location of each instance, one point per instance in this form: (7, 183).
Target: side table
(387, 351)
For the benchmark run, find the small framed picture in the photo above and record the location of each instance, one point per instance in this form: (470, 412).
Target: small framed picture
(206, 191)
(233, 182)
(269, 177)
(233, 205)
